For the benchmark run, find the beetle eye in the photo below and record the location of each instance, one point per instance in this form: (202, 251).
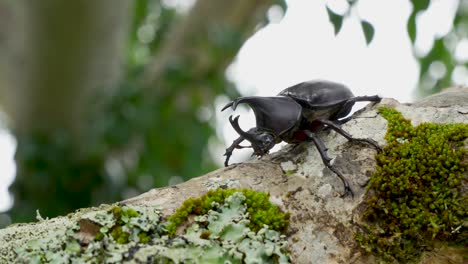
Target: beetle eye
(266, 139)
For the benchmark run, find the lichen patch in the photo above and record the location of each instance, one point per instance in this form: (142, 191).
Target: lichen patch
(227, 232)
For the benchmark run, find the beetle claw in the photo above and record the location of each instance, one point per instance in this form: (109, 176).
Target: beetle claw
(375, 144)
(347, 192)
(230, 149)
(370, 142)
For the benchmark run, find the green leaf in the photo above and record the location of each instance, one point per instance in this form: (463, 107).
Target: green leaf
(420, 5)
(368, 30)
(411, 27)
(335, 19)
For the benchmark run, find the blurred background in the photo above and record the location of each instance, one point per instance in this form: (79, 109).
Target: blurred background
(103, 100)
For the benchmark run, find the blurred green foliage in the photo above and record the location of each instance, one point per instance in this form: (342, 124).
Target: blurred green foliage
(171, 127)
(439, 67)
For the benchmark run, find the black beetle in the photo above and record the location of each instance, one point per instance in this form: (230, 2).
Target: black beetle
(295, 115)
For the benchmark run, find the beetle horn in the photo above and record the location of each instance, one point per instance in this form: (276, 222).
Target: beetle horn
(235, 124)
(232, 104)
(227, 106)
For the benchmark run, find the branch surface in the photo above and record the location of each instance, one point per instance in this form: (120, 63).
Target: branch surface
(322, 223)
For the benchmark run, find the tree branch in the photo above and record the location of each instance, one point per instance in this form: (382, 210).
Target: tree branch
(322, 224)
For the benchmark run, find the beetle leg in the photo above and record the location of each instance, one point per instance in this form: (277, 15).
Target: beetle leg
(343, 120)
(338, 122)
(348, 136)
(373, 98)
(234, 145)
(322, 149)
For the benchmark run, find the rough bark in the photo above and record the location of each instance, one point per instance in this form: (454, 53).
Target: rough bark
(321, 228)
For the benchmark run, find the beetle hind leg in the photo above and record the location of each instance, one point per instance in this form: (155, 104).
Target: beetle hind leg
(322, 149)
(372, 98)
(348, 105)
(348, 136)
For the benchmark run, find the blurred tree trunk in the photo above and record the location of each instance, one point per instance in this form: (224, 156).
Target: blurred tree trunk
(71, 52)
(68, 54)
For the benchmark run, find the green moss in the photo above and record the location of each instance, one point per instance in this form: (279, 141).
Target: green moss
(144, 237)
(260, 209)
(122, 220)
(415, 196)
(99, 236)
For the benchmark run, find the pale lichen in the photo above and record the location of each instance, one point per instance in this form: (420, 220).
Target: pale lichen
(216, 183)
(137, 234)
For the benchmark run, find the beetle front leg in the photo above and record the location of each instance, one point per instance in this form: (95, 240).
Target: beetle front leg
(322, 149)
(234, 145)
(348, 136)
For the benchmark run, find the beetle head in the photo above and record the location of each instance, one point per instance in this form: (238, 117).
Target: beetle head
(262, 141)
(276, 114)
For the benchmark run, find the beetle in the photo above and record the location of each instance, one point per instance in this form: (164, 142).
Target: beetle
(295, 115)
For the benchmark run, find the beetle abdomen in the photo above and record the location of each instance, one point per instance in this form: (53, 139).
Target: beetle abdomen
(320, 99)
(318, 93)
